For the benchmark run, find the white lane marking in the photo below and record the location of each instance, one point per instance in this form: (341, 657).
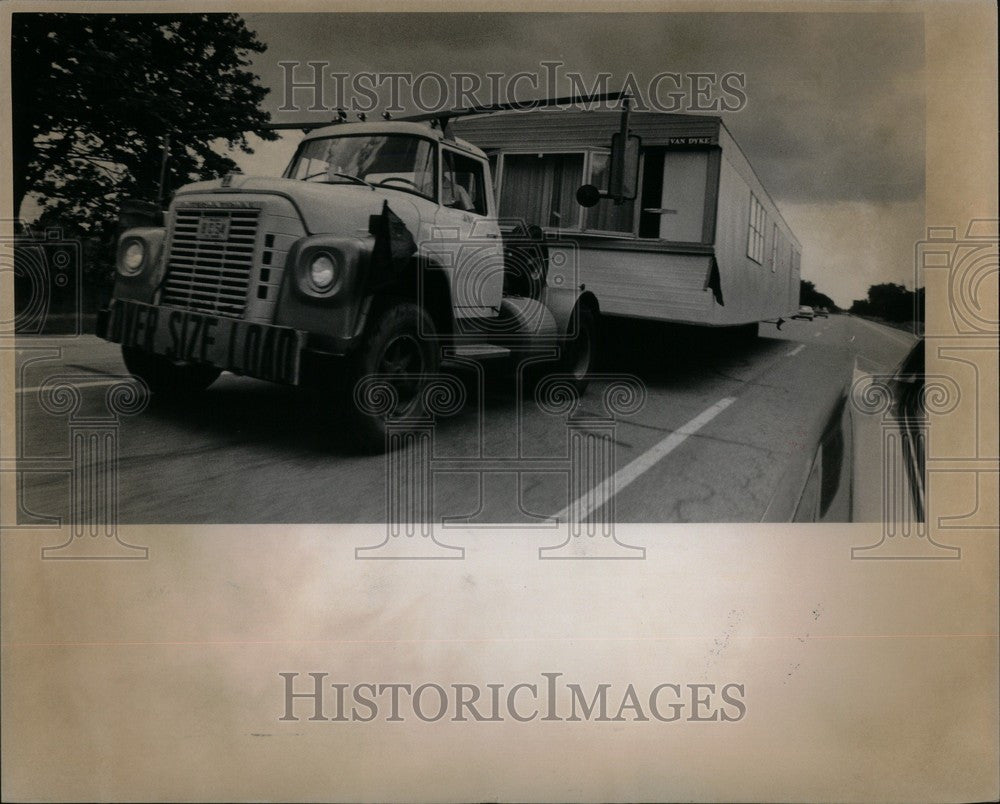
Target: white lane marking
(602, 493)
(796, 350)
(895, 334)
(81, 384)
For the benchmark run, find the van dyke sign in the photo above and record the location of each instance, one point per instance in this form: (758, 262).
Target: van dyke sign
(243, 347)
(691, 142)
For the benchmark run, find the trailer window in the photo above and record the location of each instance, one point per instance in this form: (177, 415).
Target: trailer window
(605, 216)
(755, 233)
(541, 189)
(774, 248)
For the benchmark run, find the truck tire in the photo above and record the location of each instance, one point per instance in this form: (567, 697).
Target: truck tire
(165, 378)
(397, 343)
(577, 354)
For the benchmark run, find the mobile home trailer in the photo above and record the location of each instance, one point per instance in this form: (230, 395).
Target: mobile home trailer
(701, 243)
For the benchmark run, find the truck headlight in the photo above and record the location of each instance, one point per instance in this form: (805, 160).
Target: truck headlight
(322, 271)
(132, 257)
(326, 266)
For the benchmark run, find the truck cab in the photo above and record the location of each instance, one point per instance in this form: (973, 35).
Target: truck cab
(439, 187)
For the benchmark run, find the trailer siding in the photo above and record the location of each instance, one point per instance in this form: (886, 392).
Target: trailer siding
(768, 289)
(655, 278)
(555, 130)
(657, 285)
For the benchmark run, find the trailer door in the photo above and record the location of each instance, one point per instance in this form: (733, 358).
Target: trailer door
(682, 201)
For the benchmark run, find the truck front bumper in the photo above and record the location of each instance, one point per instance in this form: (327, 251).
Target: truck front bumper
(264, 351)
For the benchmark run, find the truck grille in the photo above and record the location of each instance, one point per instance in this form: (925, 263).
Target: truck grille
(211, 259)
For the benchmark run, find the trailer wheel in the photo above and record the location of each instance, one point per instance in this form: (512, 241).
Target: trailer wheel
(165, 378)
(396, 352)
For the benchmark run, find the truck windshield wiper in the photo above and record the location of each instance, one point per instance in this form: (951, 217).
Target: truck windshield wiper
(348, 176)
(355, 179)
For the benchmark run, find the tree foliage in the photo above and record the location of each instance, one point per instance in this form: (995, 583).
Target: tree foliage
(891, 302)
(93, 95)
(809, 295)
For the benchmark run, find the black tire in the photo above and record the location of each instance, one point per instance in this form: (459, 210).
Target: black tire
(168, 379)
(400, 341)
(577, 354)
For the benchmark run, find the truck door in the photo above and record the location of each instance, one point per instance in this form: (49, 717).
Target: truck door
(467, 236)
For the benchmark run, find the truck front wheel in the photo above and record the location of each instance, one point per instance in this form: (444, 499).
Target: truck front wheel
(391, 371)
(166, 378)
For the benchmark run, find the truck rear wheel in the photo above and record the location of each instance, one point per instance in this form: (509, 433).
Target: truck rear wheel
(577, 354)
(165, 378)
(390, 372)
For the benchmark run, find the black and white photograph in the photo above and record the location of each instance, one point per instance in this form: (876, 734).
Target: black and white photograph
(590, 403)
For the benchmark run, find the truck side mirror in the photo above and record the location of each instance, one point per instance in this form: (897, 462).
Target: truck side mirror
(588, 195)
(623, 179)
(623, 183)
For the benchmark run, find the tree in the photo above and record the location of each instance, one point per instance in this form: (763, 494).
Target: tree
(891, 302)
(93, 96)
(809, 295)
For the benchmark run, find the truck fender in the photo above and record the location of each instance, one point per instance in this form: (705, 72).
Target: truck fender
(425, 283)
(143, 285)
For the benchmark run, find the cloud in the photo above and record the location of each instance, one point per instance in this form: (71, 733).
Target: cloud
(835, 101)
(851, 245)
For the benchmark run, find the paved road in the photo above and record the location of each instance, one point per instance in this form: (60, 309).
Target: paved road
(719, 427)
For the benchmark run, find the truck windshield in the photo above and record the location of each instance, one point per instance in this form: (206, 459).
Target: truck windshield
(399, 161)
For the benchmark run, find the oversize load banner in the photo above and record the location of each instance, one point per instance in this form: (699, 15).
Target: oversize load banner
(243, 347)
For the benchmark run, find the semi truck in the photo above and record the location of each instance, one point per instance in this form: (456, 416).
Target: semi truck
(383, 248)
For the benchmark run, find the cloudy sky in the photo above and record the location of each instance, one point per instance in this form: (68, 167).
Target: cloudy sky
(833, 122)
